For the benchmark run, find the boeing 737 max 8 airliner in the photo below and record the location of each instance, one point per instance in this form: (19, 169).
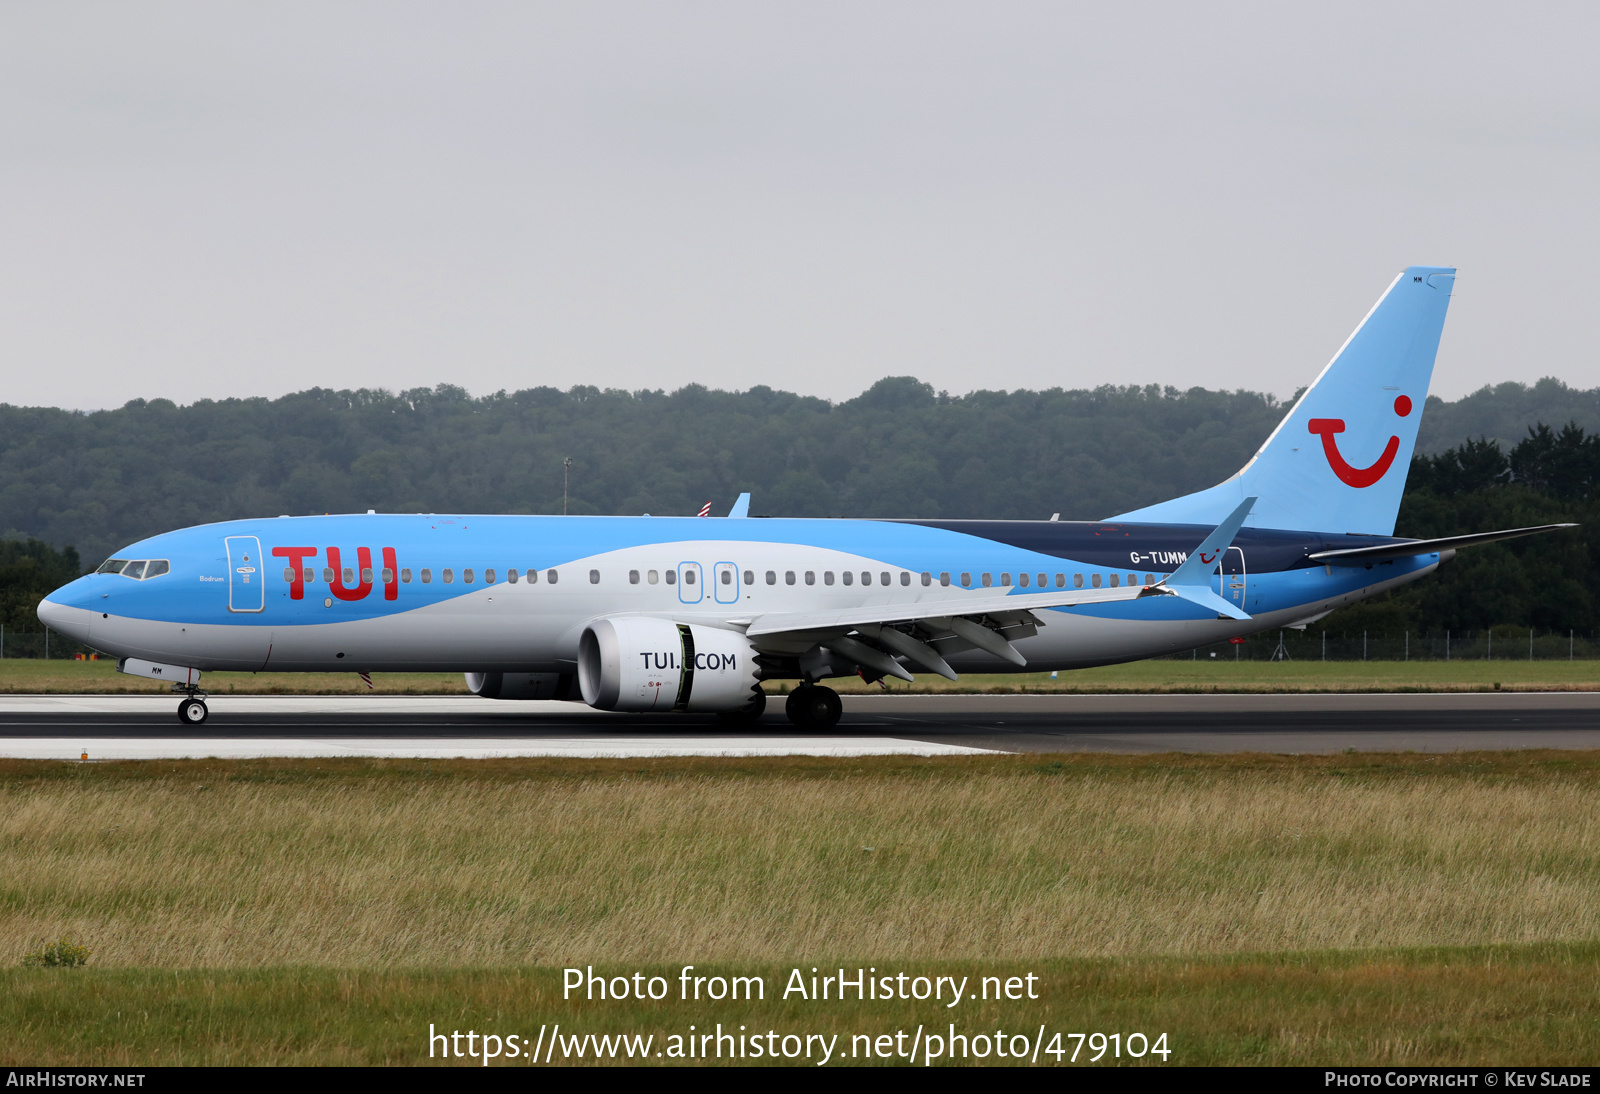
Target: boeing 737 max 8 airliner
(688, 614)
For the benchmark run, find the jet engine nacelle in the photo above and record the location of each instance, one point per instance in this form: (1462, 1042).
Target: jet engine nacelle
(640, 663)
(520, 685)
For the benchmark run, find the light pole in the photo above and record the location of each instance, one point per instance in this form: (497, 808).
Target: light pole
(566, 470)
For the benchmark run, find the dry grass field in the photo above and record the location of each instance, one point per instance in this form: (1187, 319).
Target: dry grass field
(101, 677)
(1354, 908)
(1487, 1005)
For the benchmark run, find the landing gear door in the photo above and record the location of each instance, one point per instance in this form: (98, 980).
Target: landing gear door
(247, 590)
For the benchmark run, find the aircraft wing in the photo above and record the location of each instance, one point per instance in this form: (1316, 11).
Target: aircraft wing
(924, 631)
(971, 605)
(1361, 556)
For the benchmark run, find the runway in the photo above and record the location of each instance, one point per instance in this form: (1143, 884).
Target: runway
(145, 727)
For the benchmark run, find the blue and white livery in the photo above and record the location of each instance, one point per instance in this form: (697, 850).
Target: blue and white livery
(688, 614)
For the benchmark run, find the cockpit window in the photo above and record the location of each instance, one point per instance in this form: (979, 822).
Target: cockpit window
(140, 570)
(112, 566)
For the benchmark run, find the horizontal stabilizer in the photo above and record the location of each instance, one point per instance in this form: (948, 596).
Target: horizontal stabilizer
(1361, 556)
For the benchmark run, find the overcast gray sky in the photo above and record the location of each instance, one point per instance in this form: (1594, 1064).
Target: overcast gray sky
(211, 200)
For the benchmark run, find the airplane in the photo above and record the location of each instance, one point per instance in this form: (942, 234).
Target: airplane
(692, 614)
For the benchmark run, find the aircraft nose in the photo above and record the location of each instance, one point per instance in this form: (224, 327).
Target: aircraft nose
(51, 612)
(67, 610)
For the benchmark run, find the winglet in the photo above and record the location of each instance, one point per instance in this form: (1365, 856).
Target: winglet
(1192, 580)
(741, 508)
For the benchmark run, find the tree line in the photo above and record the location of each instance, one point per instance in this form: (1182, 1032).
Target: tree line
(101, 480)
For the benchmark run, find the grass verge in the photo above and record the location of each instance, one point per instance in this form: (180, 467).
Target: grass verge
(384, 863)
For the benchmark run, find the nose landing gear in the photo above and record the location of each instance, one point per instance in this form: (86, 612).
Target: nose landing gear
(812, 706)
(192, 711)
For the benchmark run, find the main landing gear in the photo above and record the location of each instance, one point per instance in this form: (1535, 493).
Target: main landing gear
(812, 706)
(192, 711)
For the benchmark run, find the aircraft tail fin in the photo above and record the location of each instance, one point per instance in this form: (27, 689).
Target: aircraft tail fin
(1338, 460)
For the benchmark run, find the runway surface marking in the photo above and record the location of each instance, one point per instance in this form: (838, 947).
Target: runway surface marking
(240, 748)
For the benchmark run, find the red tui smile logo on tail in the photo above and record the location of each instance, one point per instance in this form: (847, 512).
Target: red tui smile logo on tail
(1359, 477)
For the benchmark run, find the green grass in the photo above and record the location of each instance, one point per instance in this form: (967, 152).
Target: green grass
(100, 677)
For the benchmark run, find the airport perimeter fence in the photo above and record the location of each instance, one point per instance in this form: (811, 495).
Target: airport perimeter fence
(37, 645)
(1507, 643)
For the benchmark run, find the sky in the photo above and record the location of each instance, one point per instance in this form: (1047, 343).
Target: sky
(211, 200)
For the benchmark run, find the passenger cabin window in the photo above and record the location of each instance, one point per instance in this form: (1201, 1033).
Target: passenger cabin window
(966, 581)
(1114, 581)
(1060, 580)
(987, 581)
(488, 577)
(427, 575)
(927, 578)
(350, 576)
(827, 577)
(447, 576)
(866, 577)
(532, 577)
(788, 577)
(944, 577)
(1133, 579)
(672, 577)
(511, 576)
(772, 577)
(1149, 579)
(466, 576)
(552, 577)
(594, 577)
(883, 578)
(405, 576)
(1022, 581)
(749, 577)
(811, 577)
(633, 577)
(387, 575)
(112, 566)
(1095, 580)
(1077, 581)
(652, 577)
(366, 575)
(311, 576)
